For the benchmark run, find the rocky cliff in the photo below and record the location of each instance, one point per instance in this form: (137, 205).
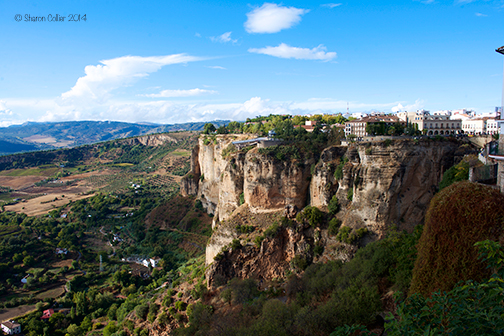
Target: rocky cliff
(377, 184)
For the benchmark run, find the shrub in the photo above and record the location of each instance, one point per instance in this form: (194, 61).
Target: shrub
(272, 230)
(350, 194)
(338, 173)
(141, 310)
(318, 249)
(180, 305)
(242, 198)
(458, 172)
(311, 214)
(344, 234)
(334, 225)
(243, 290)
(245, 228)
(228, 150)
(458, 217)
(258, 240)
(333, 207)
(236, 244)
(299, 262)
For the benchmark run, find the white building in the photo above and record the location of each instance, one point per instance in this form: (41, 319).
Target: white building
(439, 124)
(473, 126)
(11, 327)
(492, 126)
(478, 126)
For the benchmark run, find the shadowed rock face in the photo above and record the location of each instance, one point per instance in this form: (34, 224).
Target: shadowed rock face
(391, 185)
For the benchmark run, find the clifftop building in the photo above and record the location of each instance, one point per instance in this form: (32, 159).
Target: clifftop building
(358, 127)
(437, 124)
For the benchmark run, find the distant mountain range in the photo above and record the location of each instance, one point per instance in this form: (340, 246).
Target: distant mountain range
(32, 136)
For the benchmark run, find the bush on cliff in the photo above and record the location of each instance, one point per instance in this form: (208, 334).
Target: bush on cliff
(458, 217)
(458, 172)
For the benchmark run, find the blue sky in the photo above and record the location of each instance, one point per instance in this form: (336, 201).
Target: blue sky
(172, 62)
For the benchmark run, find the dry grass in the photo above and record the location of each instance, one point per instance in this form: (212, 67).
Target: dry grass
(43, 204)
(13, 313)
(51, 293)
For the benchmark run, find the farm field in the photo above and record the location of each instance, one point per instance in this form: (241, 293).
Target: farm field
(43, 204)
(12, 313)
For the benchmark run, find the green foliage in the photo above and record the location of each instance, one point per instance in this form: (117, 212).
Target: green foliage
(350, 194)
(243, 290)
(281, 152)
(382, 128)
(110, 329)
(226, 152)
(167, 301)
(244, 229)
(28, 260)
(258, 240)
(334, 225)
(208, 128)
(458, 172)
(141, 311)
(349, 236)
(180, 305)
(299, 262)
(312, 215)
(333, 207)
(272, 230)
(471, 308)
(236, 244)
(242, 198)
(318, 249)
(338, 173)
(344, 234)
(458, 217)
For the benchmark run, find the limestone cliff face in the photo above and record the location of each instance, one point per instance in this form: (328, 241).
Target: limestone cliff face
(262, 182)
(379, 185)
(270, 184)
(390, 185)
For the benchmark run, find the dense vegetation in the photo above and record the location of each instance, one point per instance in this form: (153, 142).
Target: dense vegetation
(458, 217)
(319, 299)
(91, 284)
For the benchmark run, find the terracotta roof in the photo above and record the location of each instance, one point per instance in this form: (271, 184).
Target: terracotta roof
(47, 313)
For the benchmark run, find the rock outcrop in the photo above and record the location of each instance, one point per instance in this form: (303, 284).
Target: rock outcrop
(378, 185)
(387, 184)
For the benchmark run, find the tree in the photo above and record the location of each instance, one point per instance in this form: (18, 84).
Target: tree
(333, 206)
(208, 128)
(28, 260)
(110, 329)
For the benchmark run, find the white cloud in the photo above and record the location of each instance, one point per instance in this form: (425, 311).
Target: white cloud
(331, 5)
(179, 93)
(111, 74)
(216, 67)
(481, 14)
(226, 37)
(4, 111)
(419, 104)
(286, 51)
(272, 18)
(197, 34)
